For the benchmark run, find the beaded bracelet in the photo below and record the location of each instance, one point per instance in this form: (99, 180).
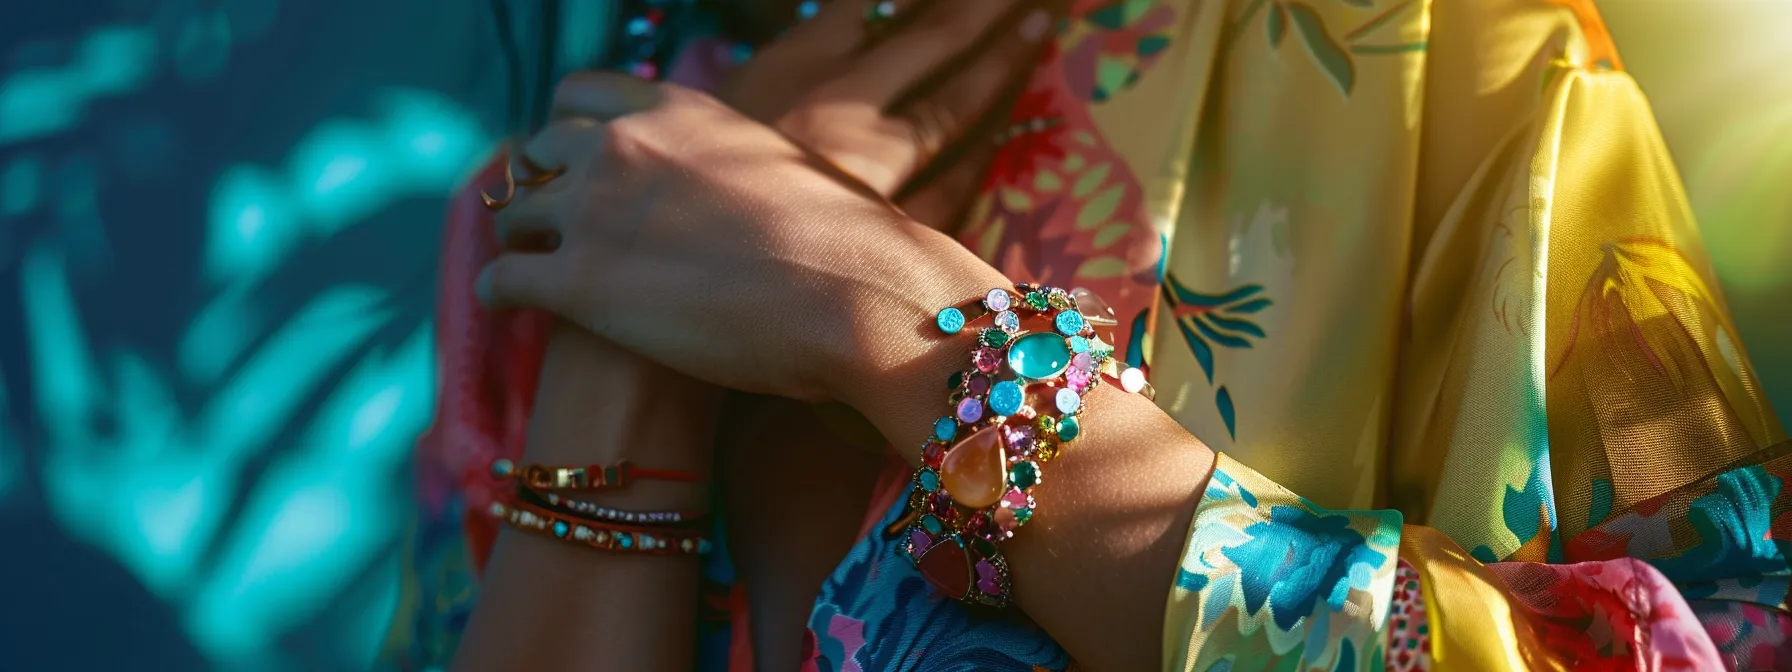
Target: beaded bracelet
(1016, 406)
(593, 477)
(602, 536)
(588, 510)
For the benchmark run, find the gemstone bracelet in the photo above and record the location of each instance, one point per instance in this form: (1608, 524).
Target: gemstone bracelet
(1014, 410)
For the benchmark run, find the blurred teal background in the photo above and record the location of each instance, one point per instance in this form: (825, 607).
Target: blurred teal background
(219, 222)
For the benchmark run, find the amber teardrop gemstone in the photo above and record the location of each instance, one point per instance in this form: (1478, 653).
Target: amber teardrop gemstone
(975, 471)
(948, 568)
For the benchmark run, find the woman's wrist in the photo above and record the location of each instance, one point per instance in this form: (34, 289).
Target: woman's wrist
(598, 404)
(892, 360)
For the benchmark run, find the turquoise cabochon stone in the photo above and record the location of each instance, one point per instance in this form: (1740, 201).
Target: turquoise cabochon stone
(1039, 356)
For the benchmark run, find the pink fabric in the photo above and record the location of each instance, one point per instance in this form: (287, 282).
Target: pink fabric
(1611, 615)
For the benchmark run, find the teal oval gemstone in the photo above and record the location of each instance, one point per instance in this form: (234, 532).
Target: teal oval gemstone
(930, 480)
(931, 524)
(561, 529)
(1068, 428)
(1039, 356)
(950, 320)
(624, 540)
(1079, 344)
(945, 428)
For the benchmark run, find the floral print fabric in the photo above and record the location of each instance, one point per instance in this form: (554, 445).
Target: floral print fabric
(1425, 263)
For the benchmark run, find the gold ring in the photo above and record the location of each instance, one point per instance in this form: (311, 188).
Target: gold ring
(539, 176)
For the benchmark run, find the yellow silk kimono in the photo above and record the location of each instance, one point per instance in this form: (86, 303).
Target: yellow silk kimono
(1424, 274)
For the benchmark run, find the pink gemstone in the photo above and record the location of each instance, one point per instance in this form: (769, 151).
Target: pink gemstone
(986, 359)
(933, 454)
(1078, 379)
(1020, 441)
(987, 580)
(1020, 433)
(1005, 521)
(970, 410)
(979, 384)
(978, 525)
(940, 505)
(1015, 499)
(1082, 362)
(1020, 450)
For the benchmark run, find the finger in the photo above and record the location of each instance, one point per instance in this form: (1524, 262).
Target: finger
(940, 199)
(530, 221)
(521, 281)
(942, 113)
(602, 95)
(941, 33)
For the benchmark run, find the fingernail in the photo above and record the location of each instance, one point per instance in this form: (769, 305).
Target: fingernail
(1034, 26)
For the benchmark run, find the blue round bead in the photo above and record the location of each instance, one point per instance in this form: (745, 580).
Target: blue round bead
(560, 528)
(1070, 323)
(624, 540)
(945, 428)
(951, 320)
(930, 480)
(1068, 428)
(1005, 398)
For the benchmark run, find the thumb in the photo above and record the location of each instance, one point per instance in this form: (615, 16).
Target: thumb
(521, 280)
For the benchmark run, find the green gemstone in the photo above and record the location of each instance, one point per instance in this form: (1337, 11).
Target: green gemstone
(993, 338)
(1040, 356)
(1023, 515)
(1024, 474)
(931, 524)
(1038, 301)
(1069, 428)
(956, 380)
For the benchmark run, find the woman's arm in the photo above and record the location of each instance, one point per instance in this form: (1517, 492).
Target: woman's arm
(546, 604)
(712, 245)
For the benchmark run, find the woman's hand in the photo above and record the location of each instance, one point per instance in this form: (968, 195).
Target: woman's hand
(909, 113)
(714, 245)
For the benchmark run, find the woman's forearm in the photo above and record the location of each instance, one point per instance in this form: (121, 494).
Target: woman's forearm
(1095, 565)
(546, 604)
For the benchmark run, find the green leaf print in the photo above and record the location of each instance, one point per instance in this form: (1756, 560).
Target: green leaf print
(1327, 54)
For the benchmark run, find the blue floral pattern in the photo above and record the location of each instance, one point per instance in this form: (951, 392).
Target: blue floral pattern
(1270, 580)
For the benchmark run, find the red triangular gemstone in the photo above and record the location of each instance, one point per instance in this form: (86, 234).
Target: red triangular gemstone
(948, 568)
